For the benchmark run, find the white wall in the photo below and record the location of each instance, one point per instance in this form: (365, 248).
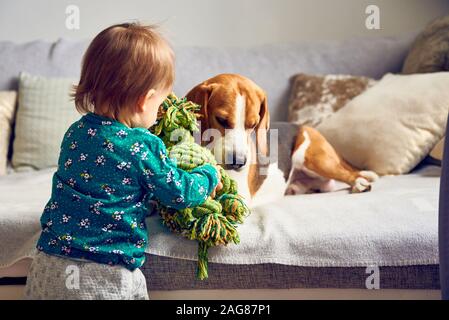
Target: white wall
(219, 22)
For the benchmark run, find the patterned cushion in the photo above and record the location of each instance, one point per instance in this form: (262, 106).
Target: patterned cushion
(44, 113)
(315, 98)
(7, 110)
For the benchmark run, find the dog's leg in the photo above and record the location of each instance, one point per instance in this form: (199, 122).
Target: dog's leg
(301, 180)
(321, 159)
(296, 183)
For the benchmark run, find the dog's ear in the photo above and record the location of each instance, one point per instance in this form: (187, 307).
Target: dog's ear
(263, 126)
(200, 95)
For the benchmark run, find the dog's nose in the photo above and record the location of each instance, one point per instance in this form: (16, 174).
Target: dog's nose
(238, 161)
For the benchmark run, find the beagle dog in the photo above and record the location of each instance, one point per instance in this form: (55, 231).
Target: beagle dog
(234, 121)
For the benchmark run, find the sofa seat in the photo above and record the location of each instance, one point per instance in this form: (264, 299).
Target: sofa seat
(319, 240)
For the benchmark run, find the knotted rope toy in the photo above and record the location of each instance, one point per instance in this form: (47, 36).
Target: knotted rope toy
(215, 221)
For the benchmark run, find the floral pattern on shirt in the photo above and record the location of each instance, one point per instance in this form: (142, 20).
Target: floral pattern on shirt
(106, 175)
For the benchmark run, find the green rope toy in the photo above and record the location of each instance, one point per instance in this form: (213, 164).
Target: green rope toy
(214, 222)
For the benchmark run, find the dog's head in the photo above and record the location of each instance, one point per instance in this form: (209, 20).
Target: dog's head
(232, 109)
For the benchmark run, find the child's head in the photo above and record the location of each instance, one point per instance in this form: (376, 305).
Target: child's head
(127, 72)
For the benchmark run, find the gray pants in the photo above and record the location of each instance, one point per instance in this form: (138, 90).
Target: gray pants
(58, 278)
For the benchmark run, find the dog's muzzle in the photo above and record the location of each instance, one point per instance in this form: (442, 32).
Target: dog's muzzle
(236, 162)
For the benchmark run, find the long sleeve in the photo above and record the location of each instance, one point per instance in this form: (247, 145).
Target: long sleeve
(172, 186)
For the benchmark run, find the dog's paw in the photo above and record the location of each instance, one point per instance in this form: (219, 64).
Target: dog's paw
(364, 181)
(361, 185)
(371, 176)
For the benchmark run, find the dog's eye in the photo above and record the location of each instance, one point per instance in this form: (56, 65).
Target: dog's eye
(223, 122)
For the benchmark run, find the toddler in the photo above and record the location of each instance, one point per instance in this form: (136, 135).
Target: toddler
(94, 235)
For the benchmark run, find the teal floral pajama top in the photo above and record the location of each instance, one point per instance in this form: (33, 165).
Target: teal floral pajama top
(107, 174)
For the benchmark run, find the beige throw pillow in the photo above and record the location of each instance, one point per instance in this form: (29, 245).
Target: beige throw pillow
(392, 126)
(44, 114)
(7, 110)
(314, 98)
(437, 151)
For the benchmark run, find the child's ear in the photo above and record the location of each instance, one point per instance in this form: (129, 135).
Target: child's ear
(143, 100)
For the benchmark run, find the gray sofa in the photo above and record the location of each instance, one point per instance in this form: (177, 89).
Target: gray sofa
(444, 225)
(270, 66)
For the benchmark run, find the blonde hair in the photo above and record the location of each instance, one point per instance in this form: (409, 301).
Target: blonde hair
(122, 63)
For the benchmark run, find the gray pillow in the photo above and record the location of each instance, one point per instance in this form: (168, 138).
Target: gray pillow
(430, 51)
(44, 113)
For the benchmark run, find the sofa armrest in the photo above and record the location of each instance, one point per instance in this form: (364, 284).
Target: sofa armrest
(443, 223)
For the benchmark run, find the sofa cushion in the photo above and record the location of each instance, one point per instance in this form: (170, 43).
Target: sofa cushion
(396, 224)
(430, 50)
(7, 111)
(44, 113)
(270, 66)
(314, 98)
(392, 126)
(163, 273)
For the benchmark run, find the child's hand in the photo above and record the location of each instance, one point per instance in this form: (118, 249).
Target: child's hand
(219, 185)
